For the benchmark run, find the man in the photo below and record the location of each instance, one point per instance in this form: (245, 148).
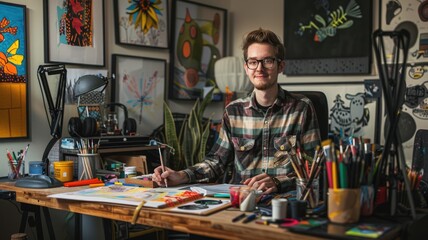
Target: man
(256, 130)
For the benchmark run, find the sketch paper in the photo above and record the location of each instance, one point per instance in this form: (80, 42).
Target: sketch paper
(119, 194)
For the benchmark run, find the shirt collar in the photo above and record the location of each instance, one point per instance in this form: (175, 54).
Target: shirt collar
(280, 99)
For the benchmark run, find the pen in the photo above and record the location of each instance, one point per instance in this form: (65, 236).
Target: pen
(239, 217)
(250, 218)
(221, 195)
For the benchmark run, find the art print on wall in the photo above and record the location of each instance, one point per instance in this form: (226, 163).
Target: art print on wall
(327, 37)
(349, 110)
(413, 17)
(141, 23)
(13, 72)
(139, 84)
(199, 39)
(74, 32)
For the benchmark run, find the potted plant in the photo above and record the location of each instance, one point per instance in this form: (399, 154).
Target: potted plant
(189, 139)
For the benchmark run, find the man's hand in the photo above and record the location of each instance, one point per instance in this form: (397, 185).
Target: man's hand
(172, 177)
(262, 182)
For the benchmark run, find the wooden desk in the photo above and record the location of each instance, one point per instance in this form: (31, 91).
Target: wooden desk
(217, 225)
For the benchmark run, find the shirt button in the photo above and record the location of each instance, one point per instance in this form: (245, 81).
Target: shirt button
(282, 147)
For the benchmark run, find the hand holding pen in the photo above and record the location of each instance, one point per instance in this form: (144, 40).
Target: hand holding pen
(174, 178)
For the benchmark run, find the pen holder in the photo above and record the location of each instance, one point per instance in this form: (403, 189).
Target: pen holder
(344, 205)
(312, 195)
(86, 168)
(16, 171)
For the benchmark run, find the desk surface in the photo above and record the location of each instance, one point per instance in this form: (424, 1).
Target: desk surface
(218, 225)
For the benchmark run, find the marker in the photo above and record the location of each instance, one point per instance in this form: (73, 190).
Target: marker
(250, 218)
(221, 195)
(96, 185)
(239, 217)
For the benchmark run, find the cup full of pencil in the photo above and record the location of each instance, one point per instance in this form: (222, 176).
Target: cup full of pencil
(86, 167)
(344, 205)
(16, 162)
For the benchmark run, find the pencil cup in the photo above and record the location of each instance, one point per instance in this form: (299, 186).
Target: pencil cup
(312, 195)
(367, 200)
(234, 196)
(16, 170)
(86, 168)
(344, 205)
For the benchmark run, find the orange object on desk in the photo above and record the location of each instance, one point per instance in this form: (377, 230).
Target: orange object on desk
(82, 182)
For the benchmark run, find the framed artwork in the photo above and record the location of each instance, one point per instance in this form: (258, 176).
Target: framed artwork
(344, 103)
(74, 32)
(139, 84)
(141, 23)
(327, 37)
(411, 16)
(199, 39)
(13, 72)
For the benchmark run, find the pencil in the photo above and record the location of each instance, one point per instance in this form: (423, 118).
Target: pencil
(162, 165)
(326, 147)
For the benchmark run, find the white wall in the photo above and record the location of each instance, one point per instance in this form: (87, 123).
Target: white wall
(244, 16)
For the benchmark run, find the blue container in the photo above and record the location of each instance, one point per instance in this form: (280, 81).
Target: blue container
(36, 168)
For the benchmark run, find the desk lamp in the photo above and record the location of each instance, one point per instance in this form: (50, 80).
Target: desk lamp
(56, 110)
(89, 83)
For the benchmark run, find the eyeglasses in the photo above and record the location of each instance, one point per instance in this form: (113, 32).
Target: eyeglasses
(266, 63)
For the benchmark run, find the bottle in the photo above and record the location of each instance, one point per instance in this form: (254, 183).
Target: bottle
(111, 124)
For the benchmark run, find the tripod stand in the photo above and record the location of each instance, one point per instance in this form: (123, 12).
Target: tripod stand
(392, 75)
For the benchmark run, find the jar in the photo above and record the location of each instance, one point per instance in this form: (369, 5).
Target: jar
(314, 191)
(130, 171)
(111, 124)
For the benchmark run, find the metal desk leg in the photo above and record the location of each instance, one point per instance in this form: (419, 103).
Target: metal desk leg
(78, 226)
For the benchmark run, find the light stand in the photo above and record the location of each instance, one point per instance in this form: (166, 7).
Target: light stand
(392, 76)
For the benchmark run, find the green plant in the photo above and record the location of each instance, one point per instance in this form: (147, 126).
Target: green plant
(191, 139)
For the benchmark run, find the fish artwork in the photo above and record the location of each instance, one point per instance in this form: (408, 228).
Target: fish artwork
(338, 19)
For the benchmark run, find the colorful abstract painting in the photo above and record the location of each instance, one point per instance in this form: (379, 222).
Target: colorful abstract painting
(141, 22)
(13, 72)
(199, 40)
(74, 32)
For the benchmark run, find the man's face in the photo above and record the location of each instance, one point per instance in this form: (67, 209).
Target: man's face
(263, 78)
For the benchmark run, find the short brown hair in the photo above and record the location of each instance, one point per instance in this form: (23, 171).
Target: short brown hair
(264, 36)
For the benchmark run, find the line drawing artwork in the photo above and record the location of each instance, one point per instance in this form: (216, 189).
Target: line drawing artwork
(141, 91)
(140, 86)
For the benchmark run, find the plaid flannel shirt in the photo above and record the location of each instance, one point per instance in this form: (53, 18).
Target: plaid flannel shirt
(255, 141)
